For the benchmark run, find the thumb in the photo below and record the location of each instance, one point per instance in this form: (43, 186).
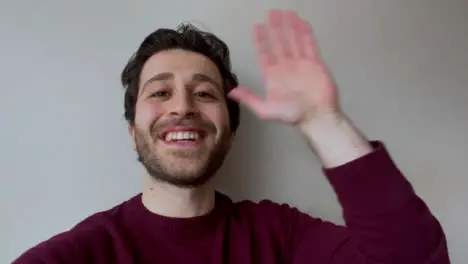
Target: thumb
(252, 101)
(267, 110)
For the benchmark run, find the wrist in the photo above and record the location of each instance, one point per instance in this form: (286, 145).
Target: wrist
(334, 139)
(321, 123)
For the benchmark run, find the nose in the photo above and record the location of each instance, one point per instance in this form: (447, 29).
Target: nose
(183, 106)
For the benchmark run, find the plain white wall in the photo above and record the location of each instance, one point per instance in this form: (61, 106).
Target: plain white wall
(402, 67)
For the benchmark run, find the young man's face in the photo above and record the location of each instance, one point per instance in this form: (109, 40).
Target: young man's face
(182, 132)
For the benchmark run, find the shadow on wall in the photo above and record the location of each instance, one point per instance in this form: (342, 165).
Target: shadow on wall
(236, 178)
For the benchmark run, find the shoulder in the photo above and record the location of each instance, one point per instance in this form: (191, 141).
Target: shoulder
(267, 208)
(284, 217)
(268, 213)
(296, 231)
(72, 246)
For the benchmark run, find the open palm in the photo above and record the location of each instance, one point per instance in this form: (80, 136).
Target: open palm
(298, 87)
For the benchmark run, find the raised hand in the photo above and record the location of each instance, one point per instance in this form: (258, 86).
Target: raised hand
(297, 85)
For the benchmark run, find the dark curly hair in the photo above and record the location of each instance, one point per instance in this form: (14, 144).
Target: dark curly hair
(186, 37)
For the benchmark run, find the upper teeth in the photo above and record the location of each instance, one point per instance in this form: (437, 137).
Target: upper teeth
(181, 136)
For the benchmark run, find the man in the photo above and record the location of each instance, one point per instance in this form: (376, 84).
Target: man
(181, 103)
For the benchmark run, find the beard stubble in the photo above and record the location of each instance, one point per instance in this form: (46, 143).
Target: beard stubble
(164, 166)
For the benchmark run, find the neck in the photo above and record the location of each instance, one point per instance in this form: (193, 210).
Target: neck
(172, 201)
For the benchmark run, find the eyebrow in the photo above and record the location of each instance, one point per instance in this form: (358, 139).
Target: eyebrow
(198, 77)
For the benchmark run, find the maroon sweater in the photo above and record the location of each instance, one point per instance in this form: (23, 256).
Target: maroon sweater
(385, 223)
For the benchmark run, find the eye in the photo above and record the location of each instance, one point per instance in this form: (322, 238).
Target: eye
(160, 94)
(205, 95)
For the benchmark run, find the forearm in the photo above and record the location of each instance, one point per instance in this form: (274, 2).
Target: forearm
(335, 139)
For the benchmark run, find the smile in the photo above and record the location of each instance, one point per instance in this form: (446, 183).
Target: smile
(183, 137)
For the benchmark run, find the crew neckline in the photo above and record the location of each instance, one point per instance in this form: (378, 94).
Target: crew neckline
(142, 217)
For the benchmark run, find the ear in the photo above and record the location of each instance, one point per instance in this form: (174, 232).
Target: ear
(231, 139)
(131, 131)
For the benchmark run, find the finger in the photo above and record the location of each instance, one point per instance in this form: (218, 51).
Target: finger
(276, 111)
(277, 35)
(264, 53)
(295, 35)
(249, 99)
(308, 40)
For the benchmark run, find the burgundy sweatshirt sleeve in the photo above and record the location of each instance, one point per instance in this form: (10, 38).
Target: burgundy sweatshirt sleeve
(60, 249)
(85, 243)
(386, 222)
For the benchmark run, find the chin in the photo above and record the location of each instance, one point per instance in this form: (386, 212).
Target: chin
(183, 168)
(184, 176)
(184, 164)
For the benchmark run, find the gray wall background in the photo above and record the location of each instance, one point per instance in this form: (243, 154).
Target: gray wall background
(402, 68)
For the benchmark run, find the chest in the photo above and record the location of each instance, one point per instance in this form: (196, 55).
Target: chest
(226, 244)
